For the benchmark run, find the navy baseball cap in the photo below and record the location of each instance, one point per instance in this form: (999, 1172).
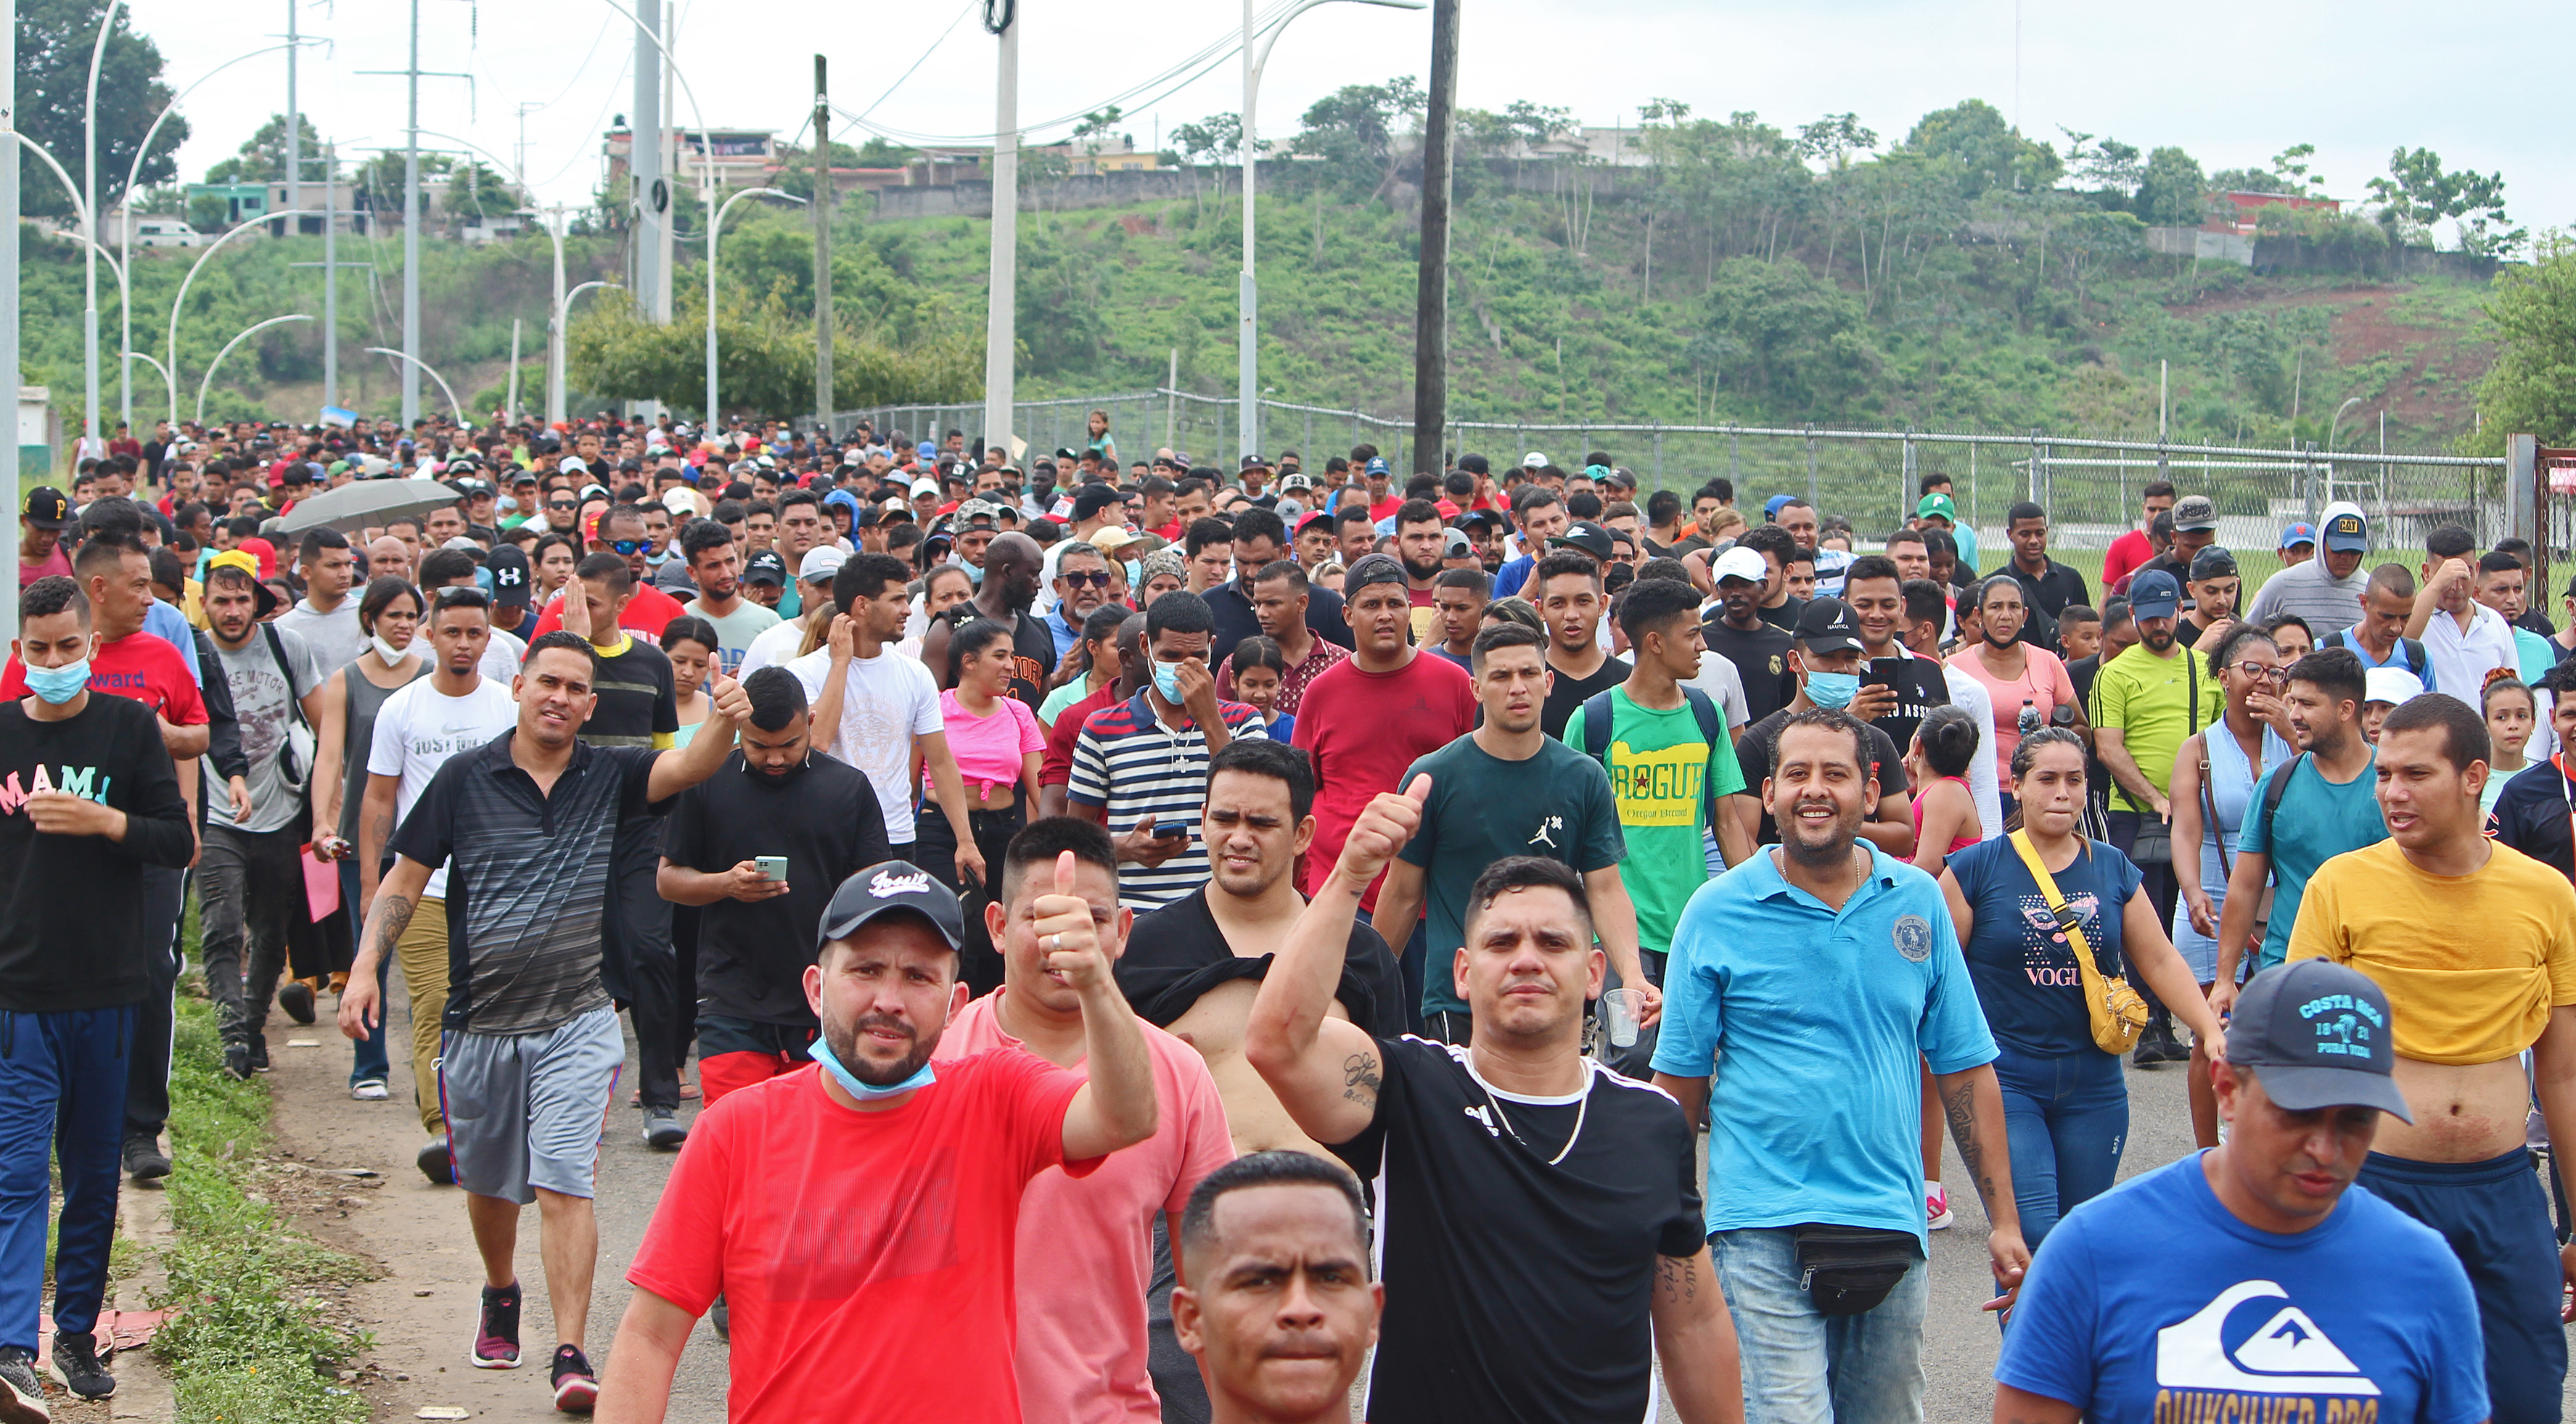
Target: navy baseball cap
(2154, 594)
(886, 888)
(1828, 625)
(2316, 1033)
(2343, 530)
(765, 567)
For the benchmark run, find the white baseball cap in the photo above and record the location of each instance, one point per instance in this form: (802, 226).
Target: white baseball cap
(925, 485)
(2390, 684)
(1533, 460)
(1740, 562)
(819, 563)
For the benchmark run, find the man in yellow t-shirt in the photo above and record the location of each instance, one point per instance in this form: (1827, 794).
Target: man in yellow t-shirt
(2475, 945)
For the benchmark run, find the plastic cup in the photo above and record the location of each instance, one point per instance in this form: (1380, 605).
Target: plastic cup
(1619, 1008)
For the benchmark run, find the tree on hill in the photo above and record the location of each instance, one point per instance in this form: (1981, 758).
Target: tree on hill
(2532, 387)
(55, 39)
(262, 156)
(1984, 151)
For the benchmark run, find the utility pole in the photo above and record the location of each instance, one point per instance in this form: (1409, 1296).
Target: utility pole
(1001, 302)
(821, 209)
(294, 121)
(651, 188)
(331, 265)
(411, 236)
(1431, 293)
(669, 136)
(555, 326)
(9, 295)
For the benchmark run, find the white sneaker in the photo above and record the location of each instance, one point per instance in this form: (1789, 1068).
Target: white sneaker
(1936, 1207)
(369, 1091)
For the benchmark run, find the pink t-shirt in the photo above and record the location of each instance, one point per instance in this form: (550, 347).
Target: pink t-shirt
(1086, 1243)
(2043, 683)
(988, 749)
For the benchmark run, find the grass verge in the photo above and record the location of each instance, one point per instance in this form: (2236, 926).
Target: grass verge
(254, 1344)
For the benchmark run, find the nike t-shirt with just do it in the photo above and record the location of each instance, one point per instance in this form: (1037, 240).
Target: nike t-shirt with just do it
(2365, 1318)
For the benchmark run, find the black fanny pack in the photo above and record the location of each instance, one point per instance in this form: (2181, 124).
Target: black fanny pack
(1848, 1270)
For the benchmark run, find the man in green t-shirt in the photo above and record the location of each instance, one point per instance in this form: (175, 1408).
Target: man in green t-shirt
(1669, 759)
(1506, 788)
(2146, 703)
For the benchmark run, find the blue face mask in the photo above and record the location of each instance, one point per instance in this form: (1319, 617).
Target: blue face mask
(974, 574)
(1167, 681)
(1135, 573)
(58, 685)
(1833, 690)
(866, 1092)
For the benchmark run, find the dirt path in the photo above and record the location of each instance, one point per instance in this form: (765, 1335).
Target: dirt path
(422, 1305)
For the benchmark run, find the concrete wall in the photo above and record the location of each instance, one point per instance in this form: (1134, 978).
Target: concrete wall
(2201, 244)
(973, 198)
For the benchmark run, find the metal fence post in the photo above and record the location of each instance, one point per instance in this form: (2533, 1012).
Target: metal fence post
(1659, 454)
(1814, 497)
(1905, 474)
(1734, 455)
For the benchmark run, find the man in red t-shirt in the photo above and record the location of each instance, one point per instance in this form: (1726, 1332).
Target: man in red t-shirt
(2134, 548)
(621, 532)
(842, 1208)
(1366, 718)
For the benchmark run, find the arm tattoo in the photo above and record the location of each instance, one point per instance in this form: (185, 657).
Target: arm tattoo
(1959, 1105)
(396, 918)
(1361, 1079)
(1676, 1279)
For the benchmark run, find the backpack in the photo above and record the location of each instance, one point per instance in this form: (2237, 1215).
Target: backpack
(1712, 726)
(2412, 648)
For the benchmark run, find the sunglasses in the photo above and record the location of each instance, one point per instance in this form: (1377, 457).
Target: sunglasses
(455, 594)
(561, 504)
(1097, 578)
(630, 546)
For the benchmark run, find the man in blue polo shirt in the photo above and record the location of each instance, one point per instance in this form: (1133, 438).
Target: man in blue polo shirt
(2274, 1292)
(1813, 977)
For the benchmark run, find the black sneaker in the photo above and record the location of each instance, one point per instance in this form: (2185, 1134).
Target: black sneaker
(237, 1063)
(22, 1393)
(437, 1161)
(77, 1365)
(576, 1388)
(496, 1334)
(296, 997)
(662, 1129)
(143, 1160)
(258, 1053)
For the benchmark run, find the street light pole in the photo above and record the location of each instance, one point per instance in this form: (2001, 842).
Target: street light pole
(563, 337)
(411, 237)
(208, 380)
(89, 267)
(9, 295)
(1001, 303)
(1248, 289)
(712, 229)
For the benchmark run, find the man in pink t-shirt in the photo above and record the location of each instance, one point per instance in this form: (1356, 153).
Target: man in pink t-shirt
(1085, 1259)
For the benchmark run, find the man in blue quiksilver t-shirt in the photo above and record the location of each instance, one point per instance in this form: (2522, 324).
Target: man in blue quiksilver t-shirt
(2254, 1281)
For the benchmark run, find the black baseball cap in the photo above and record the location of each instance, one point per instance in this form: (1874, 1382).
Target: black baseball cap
(1373, 568)
(889, 887)
(1092, 498)
(2212, 562)
(1827, 625)
(46, 508)
(2316, 1032)
(765, 567)
(1587, 536)
(509, 569)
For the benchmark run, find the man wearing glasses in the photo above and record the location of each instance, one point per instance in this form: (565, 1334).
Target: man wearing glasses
(649, 610)
(1081, 585)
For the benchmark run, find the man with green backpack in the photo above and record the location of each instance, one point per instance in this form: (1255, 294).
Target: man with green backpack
(1670, 762)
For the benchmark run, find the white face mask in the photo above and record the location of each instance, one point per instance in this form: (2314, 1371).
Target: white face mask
(386, 653)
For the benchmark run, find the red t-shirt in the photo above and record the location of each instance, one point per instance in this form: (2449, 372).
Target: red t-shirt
(1386, 508)
(140, 666)
(1056, 767)
(1363, 730)
(2124, 556)
(866, 1258)
(648, 613)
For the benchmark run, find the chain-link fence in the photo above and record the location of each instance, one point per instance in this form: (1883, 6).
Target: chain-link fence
(2090, 484)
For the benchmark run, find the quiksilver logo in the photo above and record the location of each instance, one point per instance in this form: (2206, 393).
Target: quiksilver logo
(886, 884)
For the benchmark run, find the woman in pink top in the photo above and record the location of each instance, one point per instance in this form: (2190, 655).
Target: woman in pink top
(1945, 811)
(998, 743)
(2024, 681)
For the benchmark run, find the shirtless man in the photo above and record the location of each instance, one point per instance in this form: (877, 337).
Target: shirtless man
(2463, 1007)
(1194, 966)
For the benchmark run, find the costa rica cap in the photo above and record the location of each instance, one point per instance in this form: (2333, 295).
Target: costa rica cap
(2316, 1034)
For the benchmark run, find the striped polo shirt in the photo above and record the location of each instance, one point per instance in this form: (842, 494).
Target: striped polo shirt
(1131, 766)
(528, 878)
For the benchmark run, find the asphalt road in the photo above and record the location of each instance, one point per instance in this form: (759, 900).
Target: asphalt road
(422, 1308)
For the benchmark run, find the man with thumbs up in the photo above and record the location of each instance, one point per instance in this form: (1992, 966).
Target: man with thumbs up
(879, 1194)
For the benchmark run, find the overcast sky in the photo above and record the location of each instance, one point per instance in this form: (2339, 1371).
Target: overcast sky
(2231, 81)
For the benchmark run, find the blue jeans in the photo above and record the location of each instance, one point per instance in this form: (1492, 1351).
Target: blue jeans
(1804, 1367)
(2066, 1119)
(62, 1092)
(368, 1062)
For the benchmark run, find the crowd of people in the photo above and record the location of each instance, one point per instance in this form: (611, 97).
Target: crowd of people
(1172, 925)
